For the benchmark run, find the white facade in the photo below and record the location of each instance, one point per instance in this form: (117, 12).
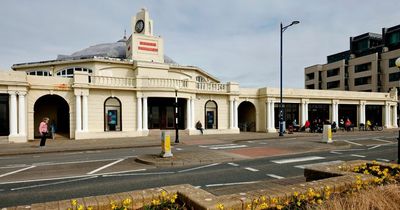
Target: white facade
(103, 97)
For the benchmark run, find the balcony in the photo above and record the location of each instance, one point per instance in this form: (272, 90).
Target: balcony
(154, 83)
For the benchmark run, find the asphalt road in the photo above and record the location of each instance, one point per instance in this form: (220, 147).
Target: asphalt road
(30, 179)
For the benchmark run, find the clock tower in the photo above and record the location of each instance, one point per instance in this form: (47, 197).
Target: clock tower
(142, 45)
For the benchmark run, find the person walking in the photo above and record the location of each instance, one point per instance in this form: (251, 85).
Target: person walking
(43, 130)
(53, 129)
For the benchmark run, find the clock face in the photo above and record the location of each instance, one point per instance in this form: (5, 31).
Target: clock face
(139, 26)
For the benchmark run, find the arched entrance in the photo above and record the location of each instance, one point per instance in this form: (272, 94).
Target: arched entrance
(211, 115)
(57, 110)
(247, 116)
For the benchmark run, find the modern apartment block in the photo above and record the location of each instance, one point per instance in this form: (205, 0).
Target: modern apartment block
(369, 65)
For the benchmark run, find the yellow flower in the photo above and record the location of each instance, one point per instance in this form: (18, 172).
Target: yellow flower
(220, 206)
(172, 200)
(263, 198)
(255, 201)
(298, 203)
(248, 206)
(295, 194)
(175, 196)
(279, 207)
(319, 201)
(74, 202)
(274, 200)
(155, 202)
(264, 205)
(127, 202)
(366, 172)
(80, 207)
(113, 205)
(89, 208)
(164, 194)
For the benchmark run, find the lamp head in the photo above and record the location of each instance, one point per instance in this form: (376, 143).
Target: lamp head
(295, 22)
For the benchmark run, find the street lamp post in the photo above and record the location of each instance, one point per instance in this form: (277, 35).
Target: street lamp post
(398, 139)
(176, 117)
(283, 28)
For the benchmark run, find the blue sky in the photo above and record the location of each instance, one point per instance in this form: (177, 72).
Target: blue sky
(235, 40)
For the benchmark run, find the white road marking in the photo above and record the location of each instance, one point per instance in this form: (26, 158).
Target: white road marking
(301, 159)
(179, 149)
(355, 155)
(250, 142)
(106, 166)
(323, 163)
(374, 147)
(233, 164)
(120, 172)
(14, 166)
(263, 143)
(347, 150)
(55, 183)
(251, 169)
(217, 145)
(139, 174)
(334, 152)
(200, 167)
(384, 140)
(77, 162)
(95, 151)
(223, 146)
(230, 184)
(197, 187)
(275, 176)
(14, 172)
(36, 156)
(350, 142)
(228, 147)
(72, 153)
(42, 164)
(384, 160)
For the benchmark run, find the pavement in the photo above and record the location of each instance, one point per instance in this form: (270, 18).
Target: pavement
(288, 144)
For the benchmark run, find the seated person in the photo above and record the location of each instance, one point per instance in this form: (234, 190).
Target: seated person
(333, 126)
(348, 125)
(199, 126)
(296, 127)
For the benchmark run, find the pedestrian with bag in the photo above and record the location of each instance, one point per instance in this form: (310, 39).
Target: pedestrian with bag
(43, 130)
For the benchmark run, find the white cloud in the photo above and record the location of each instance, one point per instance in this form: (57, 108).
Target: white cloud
(234, 40)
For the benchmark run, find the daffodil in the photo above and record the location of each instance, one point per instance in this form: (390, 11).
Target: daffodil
(74, 202)
(220, 206)
(155, 202)
(80, 207)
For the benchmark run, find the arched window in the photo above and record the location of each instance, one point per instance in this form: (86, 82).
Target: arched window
(43, 73)
(69, 72)
(200, 79)
(112, 114)
(211, 115)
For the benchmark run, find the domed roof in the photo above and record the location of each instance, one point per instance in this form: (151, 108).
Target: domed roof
(111, 50)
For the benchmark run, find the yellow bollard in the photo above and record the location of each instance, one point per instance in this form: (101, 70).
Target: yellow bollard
(165, 145)
(327, 134)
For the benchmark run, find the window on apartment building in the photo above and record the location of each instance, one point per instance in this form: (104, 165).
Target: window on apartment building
(69, 72)
(392, 62)
(362, 67)
(309, 76)
(362, 81)
(332, 72)
(39, 73)
(362, 45)
(310, 86)
(394, 77)
(333, 84)
(394, 38)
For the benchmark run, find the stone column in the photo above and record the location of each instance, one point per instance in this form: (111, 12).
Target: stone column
(335, 112)
(192, 116)
(85, 113)
(303, 119)
(231, 117)
(21, 114)
(362, 112)
(271, 117)
(13, 114)
(268, 117)
(387, 115)
(145, 114)
(139, 113)
(235, 106)
(78, 113)
(394, 116)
